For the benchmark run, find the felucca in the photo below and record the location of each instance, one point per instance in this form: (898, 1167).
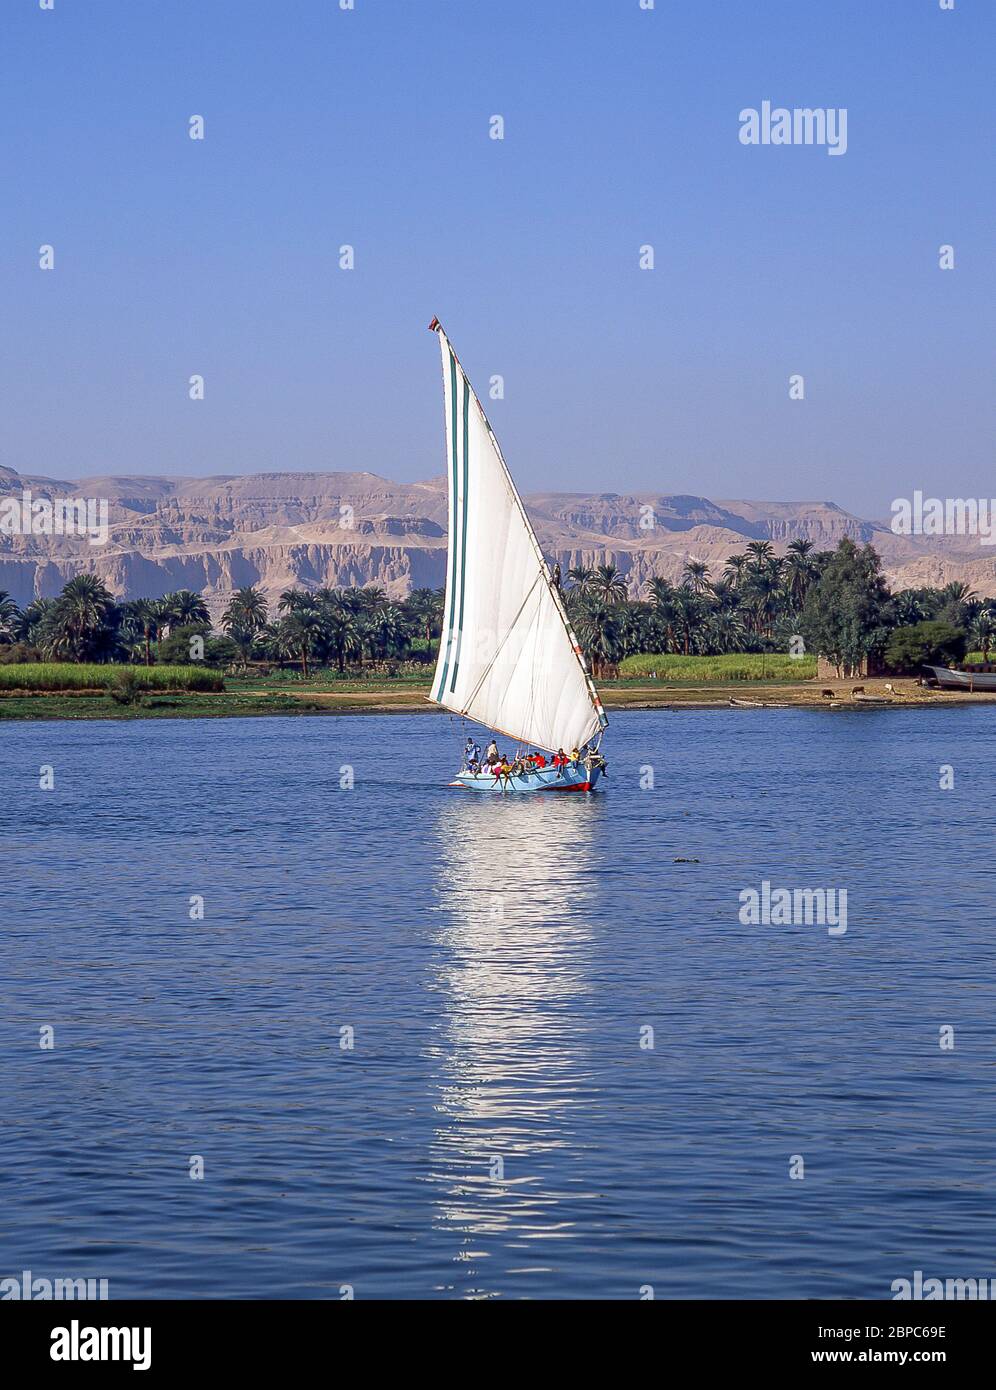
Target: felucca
(508, 657)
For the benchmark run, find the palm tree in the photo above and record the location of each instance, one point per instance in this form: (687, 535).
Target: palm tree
(910, 607)
(763, 597)
(426, 606)
(662, 598)
(761, 552)
(598, 631)
(34, 620)
(341, 629)
(164, 617)
(983, 630)
(581, 577)
(734, 568)
(636, 627)
(186, 608)
(608, 585)
(144, 613)
(299, 632)
(687, 608)
(696, 575)
(390, 628)
(79, 616)
(245, 616)
(10, 617)
(800, 571)
(373, 597)
(724, 601)
(247, 607)
(955, 603)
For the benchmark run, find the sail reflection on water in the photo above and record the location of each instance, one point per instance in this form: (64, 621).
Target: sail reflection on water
(512, 971)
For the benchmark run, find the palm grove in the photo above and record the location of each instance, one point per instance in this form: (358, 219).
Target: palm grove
(836, 601)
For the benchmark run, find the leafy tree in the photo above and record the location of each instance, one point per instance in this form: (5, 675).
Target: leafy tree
(846, 614)
(174, 650)
(931, 643)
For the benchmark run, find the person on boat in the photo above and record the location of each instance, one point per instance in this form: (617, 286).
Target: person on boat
(491, 756)
(471, 751)
(593, 759)
(559, 758)
(538, 760)
(575, 754)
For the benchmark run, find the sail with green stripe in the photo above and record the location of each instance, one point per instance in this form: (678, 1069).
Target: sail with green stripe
(508, 658)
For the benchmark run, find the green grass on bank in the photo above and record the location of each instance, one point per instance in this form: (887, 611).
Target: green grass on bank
(69, 675)
(729, 667)
(186, 706)
(324, 680)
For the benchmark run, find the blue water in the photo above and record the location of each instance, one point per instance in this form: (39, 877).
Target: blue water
(497, 1129)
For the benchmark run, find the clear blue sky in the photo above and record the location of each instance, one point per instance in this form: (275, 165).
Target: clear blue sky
(371, 127)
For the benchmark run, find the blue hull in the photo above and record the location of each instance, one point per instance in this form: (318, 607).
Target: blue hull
(547, 779)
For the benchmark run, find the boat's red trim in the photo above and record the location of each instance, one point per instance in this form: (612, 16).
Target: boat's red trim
(568, 787)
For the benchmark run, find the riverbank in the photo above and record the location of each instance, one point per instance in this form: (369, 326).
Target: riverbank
(392, 696)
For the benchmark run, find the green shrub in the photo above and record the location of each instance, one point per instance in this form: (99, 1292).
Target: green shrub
(125, 687)
(218, 651)
(16, 653)
(932, 643)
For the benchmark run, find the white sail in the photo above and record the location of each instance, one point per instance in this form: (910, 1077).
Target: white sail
(507, 658)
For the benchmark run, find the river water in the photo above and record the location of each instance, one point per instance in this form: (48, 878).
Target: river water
(424, 1043)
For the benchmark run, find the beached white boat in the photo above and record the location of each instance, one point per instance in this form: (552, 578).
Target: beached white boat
(972, 679)
(508, 658)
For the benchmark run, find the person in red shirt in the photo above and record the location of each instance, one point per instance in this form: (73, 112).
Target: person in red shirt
(539, 760)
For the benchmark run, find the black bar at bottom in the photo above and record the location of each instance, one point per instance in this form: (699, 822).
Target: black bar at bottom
(178, 1338)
